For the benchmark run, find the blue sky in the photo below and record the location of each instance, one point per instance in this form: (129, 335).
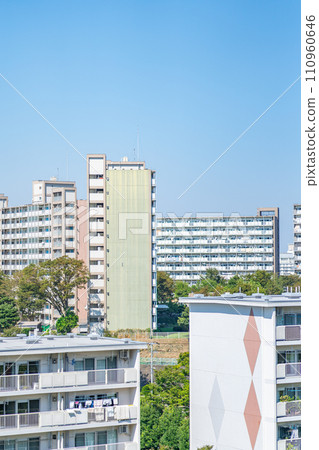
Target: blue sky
(189, 75)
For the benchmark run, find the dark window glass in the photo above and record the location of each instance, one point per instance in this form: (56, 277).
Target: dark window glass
(33, 366)
(34, 444)
(80, 440)
(34, 406)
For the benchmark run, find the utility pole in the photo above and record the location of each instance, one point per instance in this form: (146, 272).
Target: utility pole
(151, 344)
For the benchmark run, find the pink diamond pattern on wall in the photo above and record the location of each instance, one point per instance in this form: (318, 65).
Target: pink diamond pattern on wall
(252, 341)
(252, 415)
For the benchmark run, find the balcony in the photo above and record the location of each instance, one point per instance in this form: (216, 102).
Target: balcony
(289, 444)
(59, 380)
(288, 370)
(96, 312)
(288, 333)
(289, 409)
(64, 419)
(118, 446)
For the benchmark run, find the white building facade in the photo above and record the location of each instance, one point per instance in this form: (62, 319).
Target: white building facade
(245, 365)
(188, 246)
(69, 392)
(297, 238)
(287, 261)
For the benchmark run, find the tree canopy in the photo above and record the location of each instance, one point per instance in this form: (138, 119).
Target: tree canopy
(165, 408)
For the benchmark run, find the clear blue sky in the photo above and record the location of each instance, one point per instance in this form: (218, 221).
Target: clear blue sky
(190, 75)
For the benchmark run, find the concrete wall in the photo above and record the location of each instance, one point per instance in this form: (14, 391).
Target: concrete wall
(233, 396)
(128, 228)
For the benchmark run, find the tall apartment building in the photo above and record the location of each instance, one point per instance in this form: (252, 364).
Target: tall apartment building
(245, 363)
(188, 246)
(69, 392)
(287, 261)
(122, 258)
(40, 231)
(297, 238)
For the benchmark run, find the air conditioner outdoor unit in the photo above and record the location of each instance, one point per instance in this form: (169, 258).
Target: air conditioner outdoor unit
(123, 429)
(124, 354)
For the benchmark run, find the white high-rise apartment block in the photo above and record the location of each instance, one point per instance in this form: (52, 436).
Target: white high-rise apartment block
(235, 245)
(287, 261)
(245, 363)
(43, 230)
(69, 392)
(297, 238)
(121, 244)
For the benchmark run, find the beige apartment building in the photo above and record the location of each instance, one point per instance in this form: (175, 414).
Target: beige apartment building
(121, 244)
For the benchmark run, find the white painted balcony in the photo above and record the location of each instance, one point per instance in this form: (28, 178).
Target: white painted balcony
(289, 409)
(118, 446)
(288, 333)
(96, 198)
(97, 283)
(96, 183)
(66, 379)
(97, 226)
(96, 268)
(96, 312)
(63, 419)
(288, 370)
(96, 254)
(289, 444)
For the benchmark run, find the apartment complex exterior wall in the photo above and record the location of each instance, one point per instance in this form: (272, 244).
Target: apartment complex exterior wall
(188, 246)
(69, 392)
(237, 376)
(287, 261)
(121, 199)
(297, 238)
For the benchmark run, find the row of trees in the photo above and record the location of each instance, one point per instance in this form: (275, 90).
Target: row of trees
(24, 295)
(213, 284)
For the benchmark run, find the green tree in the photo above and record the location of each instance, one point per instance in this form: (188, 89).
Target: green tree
(212, 274)
(206, 447)
(29, 293)
(183, 320)
(182, 289)
(9, 315)
(165, 287)
(59, 278)
(150, 433)
(165, 406)
(67, 322)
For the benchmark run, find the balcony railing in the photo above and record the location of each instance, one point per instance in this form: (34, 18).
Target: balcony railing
(288, 370)
(288, 333)
(118, 446)
(68, 417)
(289, 409)
(289, 444)
(67, 379)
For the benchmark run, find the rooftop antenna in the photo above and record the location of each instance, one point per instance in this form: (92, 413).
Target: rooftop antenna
(138, 144)
(134, 153)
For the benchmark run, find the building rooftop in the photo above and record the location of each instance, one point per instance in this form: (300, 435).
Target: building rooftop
(286, 299)
(37, 344)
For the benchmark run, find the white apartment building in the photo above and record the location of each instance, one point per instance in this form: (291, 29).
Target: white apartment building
(40, 231)
(121, 244)
(245, 365)
(287, 261)
(297, 238)
(235, 245)
(69, 392)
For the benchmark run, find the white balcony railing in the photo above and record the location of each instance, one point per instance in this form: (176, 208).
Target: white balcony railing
(288, 370)
(68, 417)
(117, 446)
(289, 409)
(289, 444)
(288, 333)
(67, 379)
